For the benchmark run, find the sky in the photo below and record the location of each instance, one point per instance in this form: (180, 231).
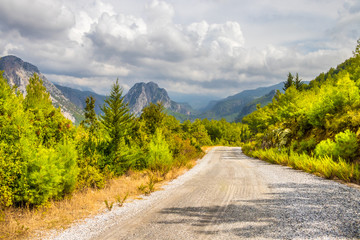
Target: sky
(201, 48)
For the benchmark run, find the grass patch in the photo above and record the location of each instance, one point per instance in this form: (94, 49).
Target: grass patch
(321, 166)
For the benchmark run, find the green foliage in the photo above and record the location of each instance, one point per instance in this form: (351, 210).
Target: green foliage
(117, 123)
(122, 200)
(91, 121)
(323, 166)
(297, 83)
(322, 119)
(44, 157)
(345, 146)
(289, 82)
(304, 146)
(36, 95)
(116, 119)
(109, 205)
(357, 49)
(325, 148)
(48, 174)
(153, 116)
(159, 156)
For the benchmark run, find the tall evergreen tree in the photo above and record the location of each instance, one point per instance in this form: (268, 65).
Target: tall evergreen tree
(289, 82)
(298, 83)
(116, 118)
(91, 121)
(357, 49)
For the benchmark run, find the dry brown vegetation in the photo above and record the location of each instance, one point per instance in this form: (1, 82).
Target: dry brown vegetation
(20, 223)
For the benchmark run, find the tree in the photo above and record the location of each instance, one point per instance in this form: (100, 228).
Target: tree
(153, 116)
(159, 156)
(91, 121)
(50, 125)
(36, 94)
(116, 118)
(289, 82)
(357, 49)
(298, 84)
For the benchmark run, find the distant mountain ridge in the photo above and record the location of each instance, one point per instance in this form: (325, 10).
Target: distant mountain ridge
(230, 107)
(78, 97)
(18, 72)
(72, 101)
(138, 97)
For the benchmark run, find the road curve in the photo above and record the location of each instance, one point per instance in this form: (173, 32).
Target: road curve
(233, 196)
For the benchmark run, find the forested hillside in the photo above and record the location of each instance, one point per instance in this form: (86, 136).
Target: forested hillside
(313, 127)
(43, 156)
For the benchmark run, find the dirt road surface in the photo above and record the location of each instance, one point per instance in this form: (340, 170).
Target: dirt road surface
(236, 197)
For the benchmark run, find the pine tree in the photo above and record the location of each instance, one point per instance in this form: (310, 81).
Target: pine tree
(298, 84)
(91, 121)
(357, 49)
(289, 82)
(116, 117)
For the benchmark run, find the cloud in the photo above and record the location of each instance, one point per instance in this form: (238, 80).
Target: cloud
(200, 50)
(36, 18)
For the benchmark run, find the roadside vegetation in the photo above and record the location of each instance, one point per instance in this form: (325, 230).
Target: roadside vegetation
(314, 127)
(51, 170)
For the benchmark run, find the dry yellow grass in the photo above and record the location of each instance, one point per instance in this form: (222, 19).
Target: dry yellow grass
(16, 223)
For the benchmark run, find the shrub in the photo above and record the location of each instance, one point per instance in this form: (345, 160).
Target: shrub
(345, 146)
(325, 148)
(159, 156)
(307, 146)
(47, 174)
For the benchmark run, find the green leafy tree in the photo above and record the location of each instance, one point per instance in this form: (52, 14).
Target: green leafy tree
(49, 124)
(36, 95)
(199, 134)
(153, 116)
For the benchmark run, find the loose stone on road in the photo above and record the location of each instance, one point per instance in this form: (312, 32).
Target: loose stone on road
(231, 196)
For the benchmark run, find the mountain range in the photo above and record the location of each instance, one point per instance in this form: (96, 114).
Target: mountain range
(72, 101)
(18, 72)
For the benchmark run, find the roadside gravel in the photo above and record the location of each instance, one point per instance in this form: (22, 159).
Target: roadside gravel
(228, 195)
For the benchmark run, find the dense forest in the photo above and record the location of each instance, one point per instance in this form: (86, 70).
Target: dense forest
(44, 157)
(313, 127)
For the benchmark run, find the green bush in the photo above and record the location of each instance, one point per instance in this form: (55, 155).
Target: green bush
(345, 146)
(47, 174)
(325, 148)
(90, 176)
(159, 156)
(307, 146)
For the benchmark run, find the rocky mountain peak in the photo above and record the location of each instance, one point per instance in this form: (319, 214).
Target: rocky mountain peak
(11, 63)
(142, 94)
(17, 72)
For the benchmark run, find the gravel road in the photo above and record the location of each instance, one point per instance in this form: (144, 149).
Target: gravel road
(230, 196)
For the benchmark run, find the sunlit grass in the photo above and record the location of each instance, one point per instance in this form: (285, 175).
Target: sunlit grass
(322, 166)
